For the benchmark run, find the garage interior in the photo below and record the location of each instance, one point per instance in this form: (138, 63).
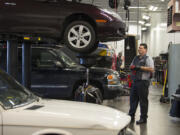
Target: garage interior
(155, 34)
(147, 21)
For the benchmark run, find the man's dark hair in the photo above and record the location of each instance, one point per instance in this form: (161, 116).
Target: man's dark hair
(144, 45)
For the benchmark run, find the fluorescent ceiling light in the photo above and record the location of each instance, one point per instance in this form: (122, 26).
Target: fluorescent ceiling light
(137, 7)
(155, 8)
(145, 17)
(152, 8)
(147, 24)
(162, 0)
(144, 28)
(142, 22)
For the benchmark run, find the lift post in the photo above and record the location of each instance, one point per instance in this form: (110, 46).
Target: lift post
(12, 58)
(26, 64)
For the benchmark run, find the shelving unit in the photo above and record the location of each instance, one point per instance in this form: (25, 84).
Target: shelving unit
(160, 63)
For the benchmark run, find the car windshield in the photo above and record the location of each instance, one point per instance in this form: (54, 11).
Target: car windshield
(66, 59)
(12, 94)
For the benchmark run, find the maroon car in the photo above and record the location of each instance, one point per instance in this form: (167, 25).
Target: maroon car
(80, 26)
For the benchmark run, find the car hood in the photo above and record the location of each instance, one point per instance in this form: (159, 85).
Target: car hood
(67, 114)
(100, 69)
(93, 69)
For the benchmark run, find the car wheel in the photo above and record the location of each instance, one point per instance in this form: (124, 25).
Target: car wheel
(91, 94)
(80, 36)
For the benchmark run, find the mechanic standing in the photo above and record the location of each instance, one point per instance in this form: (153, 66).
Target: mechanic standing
(142, 68)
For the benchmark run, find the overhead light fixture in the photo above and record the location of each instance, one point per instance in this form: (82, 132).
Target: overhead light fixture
(137, 7)
(147, 24)
(143, 28)
(145, 17)
(153, 8)
(162, 0)
(128, 47)
(142, 22)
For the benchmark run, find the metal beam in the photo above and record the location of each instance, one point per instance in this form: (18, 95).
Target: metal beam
(26, 65)
(12, 58)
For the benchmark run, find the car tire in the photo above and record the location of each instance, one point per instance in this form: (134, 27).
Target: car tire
(80, 37)
(94, 94)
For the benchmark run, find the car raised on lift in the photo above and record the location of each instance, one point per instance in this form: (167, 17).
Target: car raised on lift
(80, 26)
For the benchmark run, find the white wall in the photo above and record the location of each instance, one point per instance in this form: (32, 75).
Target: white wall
(157, 37)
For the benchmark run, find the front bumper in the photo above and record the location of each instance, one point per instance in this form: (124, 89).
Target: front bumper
(115, 87)
(112, 91)
(112, 31)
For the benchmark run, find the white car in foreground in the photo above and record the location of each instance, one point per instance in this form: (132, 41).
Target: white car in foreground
(22, 113)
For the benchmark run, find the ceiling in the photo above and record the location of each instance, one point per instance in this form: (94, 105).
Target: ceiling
(135, 13)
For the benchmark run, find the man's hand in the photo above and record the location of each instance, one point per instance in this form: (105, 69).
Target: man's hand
(133, 67)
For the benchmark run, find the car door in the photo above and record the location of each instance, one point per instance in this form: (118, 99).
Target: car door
(48, 76)
(31, 16)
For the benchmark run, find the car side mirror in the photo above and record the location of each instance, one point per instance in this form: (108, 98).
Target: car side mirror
(114, 3)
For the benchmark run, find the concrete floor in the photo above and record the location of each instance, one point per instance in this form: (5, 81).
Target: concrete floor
(159, 122)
